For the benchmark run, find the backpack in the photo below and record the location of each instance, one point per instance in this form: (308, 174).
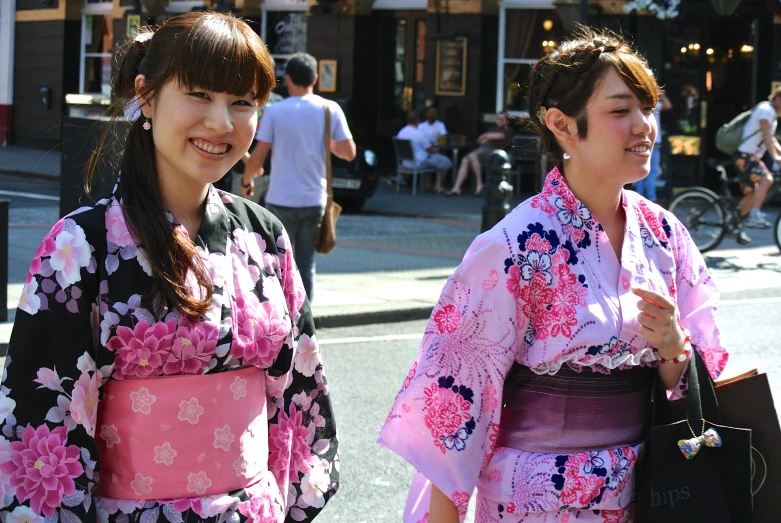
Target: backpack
(728, 137)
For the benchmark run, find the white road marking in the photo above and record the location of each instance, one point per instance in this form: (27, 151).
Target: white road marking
(419, 335)
(32, 195)
(366, 339)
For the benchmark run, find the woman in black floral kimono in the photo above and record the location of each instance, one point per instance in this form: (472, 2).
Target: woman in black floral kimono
(163, 364)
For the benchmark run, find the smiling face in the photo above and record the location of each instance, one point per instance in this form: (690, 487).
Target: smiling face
(621, 133)
(199, 134)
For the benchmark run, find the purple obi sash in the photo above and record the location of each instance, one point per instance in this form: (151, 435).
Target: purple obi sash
(572, 411)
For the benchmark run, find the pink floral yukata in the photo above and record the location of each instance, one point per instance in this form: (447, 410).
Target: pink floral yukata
(541, 290)
(81, 325)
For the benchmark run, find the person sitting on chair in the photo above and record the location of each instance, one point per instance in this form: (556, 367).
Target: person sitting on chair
(432, 128)
(425, 153)
(495, 138)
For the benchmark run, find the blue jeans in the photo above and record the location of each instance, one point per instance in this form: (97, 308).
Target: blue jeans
(647, 186)
(301, 224)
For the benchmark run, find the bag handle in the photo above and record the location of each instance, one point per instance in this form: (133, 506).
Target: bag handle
(701, 402)
(327, 141)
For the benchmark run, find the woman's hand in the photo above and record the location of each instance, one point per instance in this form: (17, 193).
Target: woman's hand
(659, 319)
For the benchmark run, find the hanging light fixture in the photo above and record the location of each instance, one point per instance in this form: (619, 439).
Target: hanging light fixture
(725, 7)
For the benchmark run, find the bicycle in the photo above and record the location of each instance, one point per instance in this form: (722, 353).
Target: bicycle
(710, 217)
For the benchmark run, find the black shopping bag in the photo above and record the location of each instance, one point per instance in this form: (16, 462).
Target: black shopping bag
(715, 484)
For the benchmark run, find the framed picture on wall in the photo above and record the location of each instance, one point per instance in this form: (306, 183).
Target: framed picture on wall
(326, 76)
(450, 77)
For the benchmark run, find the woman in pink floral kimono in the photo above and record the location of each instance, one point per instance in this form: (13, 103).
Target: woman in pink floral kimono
(534, 376)
(163, 364)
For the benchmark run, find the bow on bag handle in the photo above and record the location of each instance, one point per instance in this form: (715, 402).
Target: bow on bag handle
(701, 393)
(701, 405)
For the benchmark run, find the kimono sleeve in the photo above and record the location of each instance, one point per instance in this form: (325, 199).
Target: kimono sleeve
(697, 298)
(303, 445)
(50, 387)
(445, 419)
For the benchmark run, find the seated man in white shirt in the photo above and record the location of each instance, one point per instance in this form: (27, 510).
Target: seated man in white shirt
(425, 153)
(432, 128)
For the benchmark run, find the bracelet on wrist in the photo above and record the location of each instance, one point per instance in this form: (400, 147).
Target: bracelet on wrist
(246, 185)
(681, 357)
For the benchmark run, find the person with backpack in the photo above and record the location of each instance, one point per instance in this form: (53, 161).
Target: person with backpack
(758, 137)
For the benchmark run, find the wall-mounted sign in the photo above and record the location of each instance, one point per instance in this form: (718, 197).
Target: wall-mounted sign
(326, 77)
(133, 25)
(286, 32)
(684, 145)
(450, 77)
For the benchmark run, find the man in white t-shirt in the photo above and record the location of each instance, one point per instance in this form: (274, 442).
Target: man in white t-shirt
(432, 128)
(758, 138)
(297, 188)
(425, 153)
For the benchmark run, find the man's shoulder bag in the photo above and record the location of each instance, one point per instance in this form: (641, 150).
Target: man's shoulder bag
(326, 234)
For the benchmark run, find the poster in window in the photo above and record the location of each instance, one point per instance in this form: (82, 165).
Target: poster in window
(451, 67)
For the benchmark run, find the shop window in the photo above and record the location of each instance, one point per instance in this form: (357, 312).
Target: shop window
(96, 40)
(525, 35)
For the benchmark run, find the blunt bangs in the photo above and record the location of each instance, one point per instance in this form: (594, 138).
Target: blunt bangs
(636, 75)
(223, 55)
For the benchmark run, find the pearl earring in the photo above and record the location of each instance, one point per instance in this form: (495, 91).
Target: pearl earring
(147, 125)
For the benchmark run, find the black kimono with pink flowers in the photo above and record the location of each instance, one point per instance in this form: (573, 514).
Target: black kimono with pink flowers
(81, 322)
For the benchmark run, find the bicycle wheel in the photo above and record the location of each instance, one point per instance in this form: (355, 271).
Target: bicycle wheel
(701, 213)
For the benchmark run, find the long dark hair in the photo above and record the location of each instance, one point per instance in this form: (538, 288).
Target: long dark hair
(213, 51)
(568, 76)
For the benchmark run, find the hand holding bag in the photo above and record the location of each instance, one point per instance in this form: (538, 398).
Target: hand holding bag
(326, 234)
(694, 469)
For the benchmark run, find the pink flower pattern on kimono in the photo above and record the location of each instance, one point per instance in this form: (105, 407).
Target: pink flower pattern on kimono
(446, 411)
(262, 507)
(42, 468)
(447, 318)
(141, 351)
(192, 348)
(261, 331)
(46, 248)
(117, 231)
(289, 451)
(84, 403)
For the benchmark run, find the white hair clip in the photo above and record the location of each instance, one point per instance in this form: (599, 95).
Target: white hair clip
(541, 114)
(143, 37)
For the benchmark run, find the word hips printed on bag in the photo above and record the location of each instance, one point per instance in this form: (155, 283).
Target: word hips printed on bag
(669, 497)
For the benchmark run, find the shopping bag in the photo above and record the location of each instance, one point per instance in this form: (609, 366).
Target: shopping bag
(695, 469)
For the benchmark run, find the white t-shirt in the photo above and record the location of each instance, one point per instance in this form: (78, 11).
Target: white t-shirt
(295, 129)
(756, 144)
(419, 143)
(432, 131)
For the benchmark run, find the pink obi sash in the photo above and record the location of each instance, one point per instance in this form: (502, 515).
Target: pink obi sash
(175, 437)
(572, 411)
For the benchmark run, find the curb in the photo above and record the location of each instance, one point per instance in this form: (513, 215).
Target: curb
(27, 174)
(330, 321)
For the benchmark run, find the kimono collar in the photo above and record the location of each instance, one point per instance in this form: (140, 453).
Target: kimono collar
(557, 198)
(214, 213)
